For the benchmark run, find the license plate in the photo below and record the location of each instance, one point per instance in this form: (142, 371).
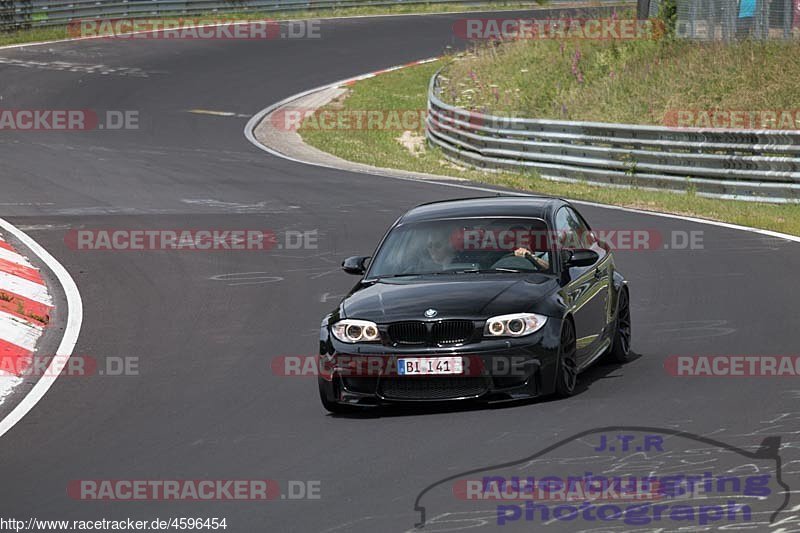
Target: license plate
(424, 366)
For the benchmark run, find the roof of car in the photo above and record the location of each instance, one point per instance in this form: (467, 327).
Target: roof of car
(489, 206)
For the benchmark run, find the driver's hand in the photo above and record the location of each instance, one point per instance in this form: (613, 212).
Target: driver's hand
(522, 252)
(539, 262)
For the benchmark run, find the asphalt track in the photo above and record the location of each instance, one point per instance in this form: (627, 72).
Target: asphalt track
(206, 404)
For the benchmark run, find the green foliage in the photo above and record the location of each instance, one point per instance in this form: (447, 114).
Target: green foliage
(668, 15)
(636, 82)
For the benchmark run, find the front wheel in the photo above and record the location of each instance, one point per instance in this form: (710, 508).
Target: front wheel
(621, 348)
(567, 371)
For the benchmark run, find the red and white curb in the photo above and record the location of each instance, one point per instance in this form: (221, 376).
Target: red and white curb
(352, 81)
(25, 306)
(38, 296)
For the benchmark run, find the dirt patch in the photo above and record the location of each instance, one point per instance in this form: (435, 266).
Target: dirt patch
(413, 141)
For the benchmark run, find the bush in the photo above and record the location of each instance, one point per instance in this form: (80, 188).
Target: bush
(668, 15)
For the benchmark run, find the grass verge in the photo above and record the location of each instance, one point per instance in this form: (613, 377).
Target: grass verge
(406, 89)
(629, 82)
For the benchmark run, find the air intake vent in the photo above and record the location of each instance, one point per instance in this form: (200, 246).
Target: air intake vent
(408, 333)
(432, 388)
(444, 333)
(452, 331)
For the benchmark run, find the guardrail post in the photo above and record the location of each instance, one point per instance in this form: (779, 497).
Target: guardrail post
(762, 21)
(642, 9)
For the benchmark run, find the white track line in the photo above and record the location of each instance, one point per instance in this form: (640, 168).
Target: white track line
(256, 119)
(74, 313)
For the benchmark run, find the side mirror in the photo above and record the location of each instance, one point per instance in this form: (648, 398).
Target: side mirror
(580, 258)
(355, 265)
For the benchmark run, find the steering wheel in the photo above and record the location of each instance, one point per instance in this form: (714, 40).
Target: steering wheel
(516, 262)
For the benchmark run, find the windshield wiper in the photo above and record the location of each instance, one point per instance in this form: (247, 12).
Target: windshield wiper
(414, 274)
(491, 270)
(454, 272)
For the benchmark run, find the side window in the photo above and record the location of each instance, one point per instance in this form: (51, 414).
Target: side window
(572, 232)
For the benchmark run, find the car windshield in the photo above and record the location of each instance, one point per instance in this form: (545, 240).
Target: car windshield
(464, 246)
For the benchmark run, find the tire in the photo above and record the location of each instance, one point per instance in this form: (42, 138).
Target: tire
(567, 370)
(621, 345)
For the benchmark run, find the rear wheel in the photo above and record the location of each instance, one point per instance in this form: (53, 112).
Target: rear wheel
(621, 348)
(567, 371)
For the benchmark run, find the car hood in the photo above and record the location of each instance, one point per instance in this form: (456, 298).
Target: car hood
(391, 300)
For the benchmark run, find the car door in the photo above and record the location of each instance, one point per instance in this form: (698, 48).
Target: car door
(586, 288)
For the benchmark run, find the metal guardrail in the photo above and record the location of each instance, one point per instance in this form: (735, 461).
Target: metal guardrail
(758, 165)
(22, 14)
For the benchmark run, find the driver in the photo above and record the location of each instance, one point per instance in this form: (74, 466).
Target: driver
(442, 252)
(525, 253)
(440, 248)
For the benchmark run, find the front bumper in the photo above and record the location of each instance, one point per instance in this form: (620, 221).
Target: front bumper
(495, 370)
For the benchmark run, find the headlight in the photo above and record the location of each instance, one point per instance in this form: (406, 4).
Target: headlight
(517, 325)
(352, 331)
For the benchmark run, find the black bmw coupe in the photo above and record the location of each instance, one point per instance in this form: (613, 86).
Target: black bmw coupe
(493, 299)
